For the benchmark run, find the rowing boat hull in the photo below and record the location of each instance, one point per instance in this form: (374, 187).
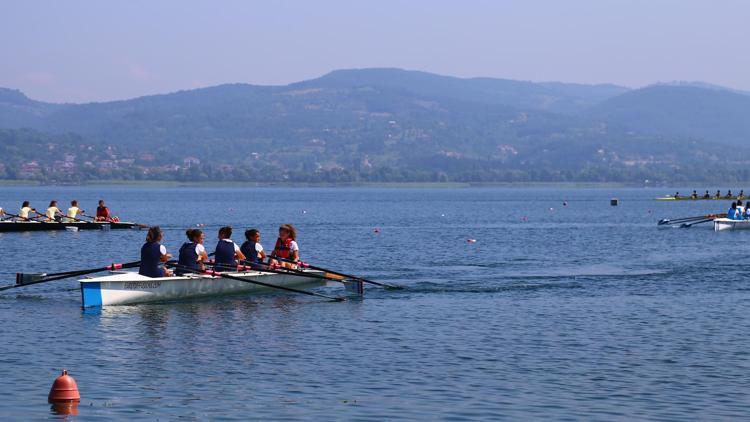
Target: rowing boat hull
(128, 288)
(722, 224)
(33, 226)
(671, 198)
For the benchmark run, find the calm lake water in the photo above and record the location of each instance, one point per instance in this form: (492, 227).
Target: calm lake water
(584, 311)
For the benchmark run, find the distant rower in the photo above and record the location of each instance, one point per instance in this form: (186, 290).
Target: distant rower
(707, 195)
(677, 195)
(718, 194)
(102, 212)
(53, 212)
(729, 194)
(694, 195)
(73, 211)
(25, 210)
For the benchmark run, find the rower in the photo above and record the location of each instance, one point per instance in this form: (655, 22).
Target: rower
(53, 212)
(252, 249)
(747, 210)
(192, 253)
(102, 212)
(718, 194)
(707, 195)
(733, 213)
(2, 213)
(694, 195)
(741, 195)
(228, 253)
(740, 209)
(154, 255)
(73, 211)
(729, 194)
(286, 245)
(677, 195)
(25, 210)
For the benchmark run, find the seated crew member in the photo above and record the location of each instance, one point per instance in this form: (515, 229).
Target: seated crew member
(707, 195)
(102, 212)
(733, 213)
(729, 194)
(694, 195)
(252, 249)
(747, 210)
(192, 253)
(741, 195)
(718, 194)
(25, 210)
(286, 245)
(73, 211)
(154, 255)
(740, 209)
(228, 253)
(676, 195)
(53, 212)
(2, 213)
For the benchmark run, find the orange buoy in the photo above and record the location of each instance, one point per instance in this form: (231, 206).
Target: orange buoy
(64, 390)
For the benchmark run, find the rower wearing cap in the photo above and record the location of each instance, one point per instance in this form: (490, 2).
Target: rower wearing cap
(729, 194)
(228, 253)
(677, 195)
(694, 195)
(718, 194)
(53, 212)
(73, 211)
(707, 195)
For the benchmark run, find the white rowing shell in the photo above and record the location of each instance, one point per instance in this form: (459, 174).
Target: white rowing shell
(721, 224)
(125, 288)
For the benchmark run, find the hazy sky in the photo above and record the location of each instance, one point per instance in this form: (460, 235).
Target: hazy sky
(100, 50)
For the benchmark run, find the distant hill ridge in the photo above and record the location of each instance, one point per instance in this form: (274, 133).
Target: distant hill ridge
(407, 125)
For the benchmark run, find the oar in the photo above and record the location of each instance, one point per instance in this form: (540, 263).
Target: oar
(281, 270)
(36, 278)
(338, 273)
(689, 219)
(260, 283)
(686, 225)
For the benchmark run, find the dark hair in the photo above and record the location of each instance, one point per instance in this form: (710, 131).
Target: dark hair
(74, 203)
(101, 202)
(25, 204)
(193, 234)
(250, 234)
(154, 234)
(734, 205)
(289, 229)
(225, 232)
(53, 203)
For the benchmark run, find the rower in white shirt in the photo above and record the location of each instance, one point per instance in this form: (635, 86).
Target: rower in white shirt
(25, 210)
(73, 211)
(52, 211)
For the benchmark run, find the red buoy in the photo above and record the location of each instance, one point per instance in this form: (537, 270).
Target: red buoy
(64, 390)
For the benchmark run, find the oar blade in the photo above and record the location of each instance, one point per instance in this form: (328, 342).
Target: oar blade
(24, 278)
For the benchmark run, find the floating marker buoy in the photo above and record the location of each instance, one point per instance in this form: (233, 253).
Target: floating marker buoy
(304, 211)
(442, 215)
(471, 240)
(565, 203)
(614, 202)
(551, 209)
(64, 390)
(376, 230)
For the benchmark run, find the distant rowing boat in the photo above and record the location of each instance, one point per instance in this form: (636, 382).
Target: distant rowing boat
(127, 288)
(29, 226)
(672, 198)
(722, 224)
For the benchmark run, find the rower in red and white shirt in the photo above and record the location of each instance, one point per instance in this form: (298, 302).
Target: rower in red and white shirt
(102, 212)
(286, 246)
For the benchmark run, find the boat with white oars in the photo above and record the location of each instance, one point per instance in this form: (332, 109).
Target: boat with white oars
(127, 288)
(722, 224)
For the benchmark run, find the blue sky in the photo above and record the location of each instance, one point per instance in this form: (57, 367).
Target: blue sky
(81, 51)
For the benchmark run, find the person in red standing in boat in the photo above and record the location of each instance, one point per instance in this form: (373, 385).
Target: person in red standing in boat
(286, 245)
(102, 212)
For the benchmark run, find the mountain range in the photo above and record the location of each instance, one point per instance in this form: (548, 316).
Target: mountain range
(387, 125)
